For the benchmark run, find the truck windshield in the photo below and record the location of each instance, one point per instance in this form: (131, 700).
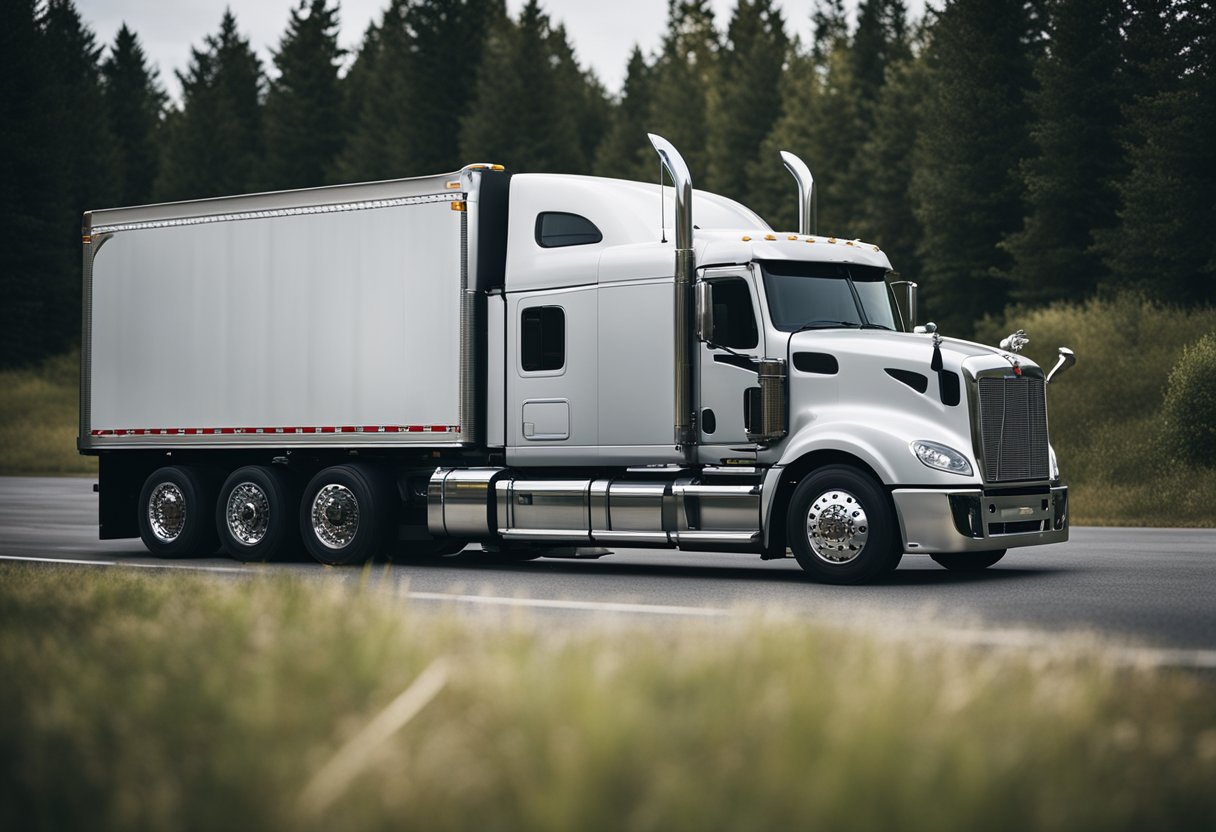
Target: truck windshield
(805, 295)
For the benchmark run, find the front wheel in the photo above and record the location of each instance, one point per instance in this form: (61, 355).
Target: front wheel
(968, 561)
(842, 527)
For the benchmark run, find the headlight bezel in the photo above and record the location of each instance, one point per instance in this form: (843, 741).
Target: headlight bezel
(931, 454)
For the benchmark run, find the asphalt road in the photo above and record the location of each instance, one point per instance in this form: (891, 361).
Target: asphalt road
(1152, 588)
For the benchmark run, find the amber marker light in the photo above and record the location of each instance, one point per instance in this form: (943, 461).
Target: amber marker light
(458, 206)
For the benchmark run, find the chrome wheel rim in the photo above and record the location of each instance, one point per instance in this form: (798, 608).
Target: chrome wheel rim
(167, 512)
(836, 527)
(335, 516)
(248, 513)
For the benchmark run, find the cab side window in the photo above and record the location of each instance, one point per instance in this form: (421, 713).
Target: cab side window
(542, 339)
(734, 319)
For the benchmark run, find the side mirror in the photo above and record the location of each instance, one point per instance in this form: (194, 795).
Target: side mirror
(705, 310)
(1066, 360)
(909, 301)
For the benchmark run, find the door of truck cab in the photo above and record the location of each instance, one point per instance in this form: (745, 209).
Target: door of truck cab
(725, 367)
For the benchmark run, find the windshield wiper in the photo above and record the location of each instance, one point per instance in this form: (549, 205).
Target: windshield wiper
(828, 325)
(877, 326)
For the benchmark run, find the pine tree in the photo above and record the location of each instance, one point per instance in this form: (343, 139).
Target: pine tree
(423, 57)
(447, 41)
(829, 28)
(303, 104)
(821, 123)
(625, 152)
(82, 149)
(884, 164)
(215, 143)
(1163, 243)
(134, 101)
(685, 72)
(747, 98)
(1069, 182)
(526, 112)
(32, 208)
(967, 185)
(366, 145)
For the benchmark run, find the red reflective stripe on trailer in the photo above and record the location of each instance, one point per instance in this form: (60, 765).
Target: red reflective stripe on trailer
(266, 431)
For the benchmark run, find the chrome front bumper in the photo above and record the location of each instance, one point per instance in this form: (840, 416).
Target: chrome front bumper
(968, 520)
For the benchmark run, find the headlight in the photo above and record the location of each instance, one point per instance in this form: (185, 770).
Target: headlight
(941, 457)
(1055, 463)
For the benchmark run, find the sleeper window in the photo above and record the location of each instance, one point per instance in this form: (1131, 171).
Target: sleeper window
(543, 339)
(555, 229)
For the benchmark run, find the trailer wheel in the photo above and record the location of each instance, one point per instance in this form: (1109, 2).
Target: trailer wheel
(348, 513)
(968, 561)
(842, 527)
(255, 514)
(175, 512)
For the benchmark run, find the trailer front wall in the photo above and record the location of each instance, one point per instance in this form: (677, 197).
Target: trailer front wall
(307, 325)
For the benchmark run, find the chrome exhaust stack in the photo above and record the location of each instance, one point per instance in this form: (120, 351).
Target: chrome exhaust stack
(686, 266)
(808, 221)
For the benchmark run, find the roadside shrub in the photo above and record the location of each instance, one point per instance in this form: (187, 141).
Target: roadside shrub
(1188, 424)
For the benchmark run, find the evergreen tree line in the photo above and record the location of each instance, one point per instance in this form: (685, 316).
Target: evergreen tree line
(1002, 151)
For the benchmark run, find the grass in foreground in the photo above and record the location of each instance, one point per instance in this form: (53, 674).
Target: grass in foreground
(134, 701)
(39, 419)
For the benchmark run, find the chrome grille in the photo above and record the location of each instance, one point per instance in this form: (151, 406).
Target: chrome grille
(1013, 429)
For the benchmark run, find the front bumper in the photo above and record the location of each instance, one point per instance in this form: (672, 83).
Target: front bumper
(969, 520)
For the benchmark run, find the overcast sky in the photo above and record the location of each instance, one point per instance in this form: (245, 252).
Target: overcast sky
(603, 31)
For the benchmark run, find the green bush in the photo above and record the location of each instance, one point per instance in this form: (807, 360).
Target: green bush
(1106, 413)
(1188, 424)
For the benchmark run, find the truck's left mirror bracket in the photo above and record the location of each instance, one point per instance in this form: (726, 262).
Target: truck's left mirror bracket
(705, 310)
(909, 299)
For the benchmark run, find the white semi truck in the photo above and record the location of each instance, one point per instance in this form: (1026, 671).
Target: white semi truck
(543, 365)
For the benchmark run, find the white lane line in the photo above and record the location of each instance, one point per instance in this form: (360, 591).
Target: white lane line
(487, 600)
(181, 566)
(588, 606)
(1018, 639)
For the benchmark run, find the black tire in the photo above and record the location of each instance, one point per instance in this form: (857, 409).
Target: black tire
(177, 510)
(256, 514)
(856, 534)
(968, 561)
(355, 514)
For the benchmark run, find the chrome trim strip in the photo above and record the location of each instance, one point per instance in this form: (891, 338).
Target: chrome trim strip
(469, 422)
(280, 212)
(716, 537)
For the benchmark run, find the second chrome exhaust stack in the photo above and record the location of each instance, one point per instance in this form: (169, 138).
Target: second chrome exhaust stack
(808, 222)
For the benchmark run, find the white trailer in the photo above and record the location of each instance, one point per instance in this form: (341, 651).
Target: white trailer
(539, 363)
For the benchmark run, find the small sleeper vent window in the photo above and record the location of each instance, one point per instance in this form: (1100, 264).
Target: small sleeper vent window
(555, 229)
(543, 341)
